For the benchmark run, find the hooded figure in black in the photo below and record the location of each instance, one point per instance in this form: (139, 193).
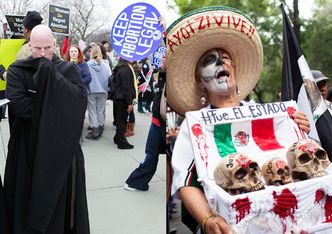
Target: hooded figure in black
(44, 180)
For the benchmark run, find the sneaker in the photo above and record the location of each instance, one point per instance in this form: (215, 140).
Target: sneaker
(93, 135)
(127, 187)
(173, 230)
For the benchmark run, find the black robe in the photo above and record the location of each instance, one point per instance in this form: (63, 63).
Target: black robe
(44, 180)
(4, 225)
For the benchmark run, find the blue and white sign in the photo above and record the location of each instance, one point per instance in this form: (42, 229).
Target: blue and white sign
(136, 32)
(158, 56)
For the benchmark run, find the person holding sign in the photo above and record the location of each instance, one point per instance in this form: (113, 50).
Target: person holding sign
(31, 19)
(214, 57)
(44, 181)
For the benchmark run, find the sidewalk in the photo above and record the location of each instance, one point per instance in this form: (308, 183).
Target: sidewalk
(111, 208)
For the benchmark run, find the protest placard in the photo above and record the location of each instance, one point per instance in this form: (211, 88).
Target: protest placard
(157, 56)
(136, 32)
(15, 25)
(58, 19)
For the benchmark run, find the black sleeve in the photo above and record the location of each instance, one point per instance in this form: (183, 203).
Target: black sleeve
(2, 71)
(19, 94)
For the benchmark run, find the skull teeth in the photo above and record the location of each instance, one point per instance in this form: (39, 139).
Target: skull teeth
(257, 187)
(319, 174)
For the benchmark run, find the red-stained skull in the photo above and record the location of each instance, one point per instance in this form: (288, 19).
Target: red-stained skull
(307, 160)
(237, 173)
(276, 172)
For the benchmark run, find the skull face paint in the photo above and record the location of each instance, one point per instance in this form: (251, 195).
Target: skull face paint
(215, 69)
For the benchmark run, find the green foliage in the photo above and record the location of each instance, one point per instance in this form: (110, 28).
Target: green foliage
(317, 45)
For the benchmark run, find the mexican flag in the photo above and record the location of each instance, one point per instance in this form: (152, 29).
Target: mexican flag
(298, 84)
(257, 136)
(260, 131)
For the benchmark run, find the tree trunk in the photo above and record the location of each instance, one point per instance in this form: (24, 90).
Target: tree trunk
(296, 20)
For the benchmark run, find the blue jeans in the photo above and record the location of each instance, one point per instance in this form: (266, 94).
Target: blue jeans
(155, 144)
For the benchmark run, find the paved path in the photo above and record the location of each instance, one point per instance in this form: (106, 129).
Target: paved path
(111, 208)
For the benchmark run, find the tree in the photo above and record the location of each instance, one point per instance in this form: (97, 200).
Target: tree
(84, 22)
(17, 7)
(317, 38)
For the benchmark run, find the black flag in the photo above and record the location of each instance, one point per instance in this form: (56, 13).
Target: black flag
(298, 84)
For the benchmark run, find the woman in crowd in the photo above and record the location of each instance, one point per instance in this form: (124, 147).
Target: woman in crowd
(74, 54)
(97, 93)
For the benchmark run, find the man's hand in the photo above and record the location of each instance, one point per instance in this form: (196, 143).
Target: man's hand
(301, 119)
(130, 108)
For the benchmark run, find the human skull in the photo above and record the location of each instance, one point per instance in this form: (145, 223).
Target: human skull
(307, 160)
(237, 173)
(276, 172)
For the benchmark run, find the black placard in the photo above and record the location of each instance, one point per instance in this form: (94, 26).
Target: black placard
(15, 25)
(58, 19)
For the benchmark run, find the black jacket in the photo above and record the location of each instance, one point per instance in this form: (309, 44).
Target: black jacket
(124, 82)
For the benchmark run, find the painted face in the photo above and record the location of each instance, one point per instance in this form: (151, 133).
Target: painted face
(216, 71)
(73, 53)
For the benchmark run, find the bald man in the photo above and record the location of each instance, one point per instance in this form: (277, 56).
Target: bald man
(45, 178)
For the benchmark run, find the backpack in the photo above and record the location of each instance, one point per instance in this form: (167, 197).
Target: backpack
(111, 87)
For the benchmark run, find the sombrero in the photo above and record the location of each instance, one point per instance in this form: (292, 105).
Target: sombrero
(199, 31)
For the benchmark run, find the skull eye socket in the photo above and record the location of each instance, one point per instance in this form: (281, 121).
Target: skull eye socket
(254, 166)
(239, 174)
(321, 154)
(210, 59)
(304, 158)
(287, 171)
(280, 171)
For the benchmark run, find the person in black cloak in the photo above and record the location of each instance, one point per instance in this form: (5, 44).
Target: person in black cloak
(44, 181)
(4, 226)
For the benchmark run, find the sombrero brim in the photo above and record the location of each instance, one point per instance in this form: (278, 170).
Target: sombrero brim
(199, 31)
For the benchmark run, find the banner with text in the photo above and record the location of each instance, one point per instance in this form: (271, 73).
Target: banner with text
(157, 56)
(58, 19)
(261, 131)
(136, 32)
(15, 25)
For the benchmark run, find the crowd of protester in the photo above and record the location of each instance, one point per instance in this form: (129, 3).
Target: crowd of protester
(95, 65)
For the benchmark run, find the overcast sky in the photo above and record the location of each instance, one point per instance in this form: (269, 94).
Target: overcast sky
(117, 6)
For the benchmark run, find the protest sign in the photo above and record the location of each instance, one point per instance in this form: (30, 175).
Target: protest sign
(8, 51)
(58, 19)
(157, 56)
(15, 25)
(136, 32)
